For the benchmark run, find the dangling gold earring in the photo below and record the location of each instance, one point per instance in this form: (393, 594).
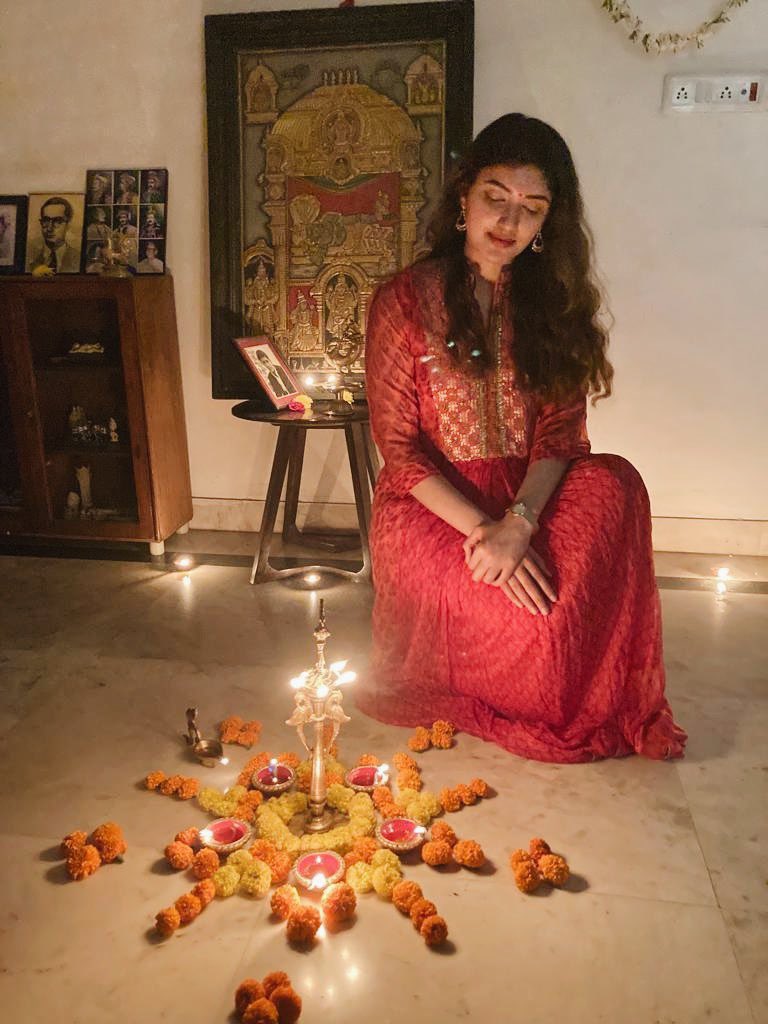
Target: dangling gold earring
(461, 220)
(537, 245)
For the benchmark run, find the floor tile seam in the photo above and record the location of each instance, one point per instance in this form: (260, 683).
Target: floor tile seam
(737, 964)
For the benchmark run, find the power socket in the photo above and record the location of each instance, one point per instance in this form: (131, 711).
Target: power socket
(705, 93)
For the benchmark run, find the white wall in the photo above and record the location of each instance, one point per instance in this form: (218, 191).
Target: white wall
(677, 204)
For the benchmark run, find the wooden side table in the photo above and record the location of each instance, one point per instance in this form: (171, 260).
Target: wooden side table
(289, 457)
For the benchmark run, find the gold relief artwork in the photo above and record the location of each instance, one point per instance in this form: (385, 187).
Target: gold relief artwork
(336, 192)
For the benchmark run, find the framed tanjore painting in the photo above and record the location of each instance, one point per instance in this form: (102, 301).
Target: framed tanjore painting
(330, 133)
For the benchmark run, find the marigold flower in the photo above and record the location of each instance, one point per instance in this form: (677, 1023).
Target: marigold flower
(240, 859)
(109, 841)
(276, 979)
(381, 795)
(468, 853)
(253, 798)
(169, 786)
(553, 868)
(527, 877)
(479, 787)
(179, 855)
(366, 847)
(405, 894)
(256, 879)
(421, 740)
(442, 832)
(291, 760)
(167, 921)
(83, 861)
(226, 881)
(205, 890)
(385, 878)
(262, 849)
(153, 780)
(338, 903)
(190, 836)
(188, 906)
(420, 911)
(189, 787)
(71, 841)
(450, 800)
(436, 853)
(369, 759)
(390, 810)
(434, 930)
(360, 877)
(403, 761)
(205, 863)
(287, 1002)
(441, 725)
(260, 1011)
(230, 728)
(248, 992)
(518, 857)
(409, 780)
(284, 900)
(302, 924)
(466, 795)
(538, 848)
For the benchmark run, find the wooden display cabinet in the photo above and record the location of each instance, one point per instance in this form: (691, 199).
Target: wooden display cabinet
(139, 479)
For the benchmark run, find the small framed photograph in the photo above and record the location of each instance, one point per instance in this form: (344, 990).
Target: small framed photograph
(151, 257)
(270, 369)
(55, 231)
(13, 233)
(129, 206)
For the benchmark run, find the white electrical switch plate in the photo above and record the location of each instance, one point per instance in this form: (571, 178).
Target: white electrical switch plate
(742, 92)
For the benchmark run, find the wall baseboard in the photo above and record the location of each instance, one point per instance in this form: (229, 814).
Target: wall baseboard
(703, 536)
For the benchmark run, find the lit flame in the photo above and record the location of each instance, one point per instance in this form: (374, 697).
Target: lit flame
(420, 830)
(723, 572)
(182, 562)
(318, 881)
(224, 760)
(309, 380)
(382, 774)
(297, 682)
(206, 834)
(322, 690)
(312, 578)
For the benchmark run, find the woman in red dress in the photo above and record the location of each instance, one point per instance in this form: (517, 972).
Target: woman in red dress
(515, 591)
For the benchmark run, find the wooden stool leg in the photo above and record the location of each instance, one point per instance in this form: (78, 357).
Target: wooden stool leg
(261, 570)
(295, 466)
(357, 464)
(371, 455)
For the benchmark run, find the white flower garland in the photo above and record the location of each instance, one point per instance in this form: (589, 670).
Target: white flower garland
(620, 12)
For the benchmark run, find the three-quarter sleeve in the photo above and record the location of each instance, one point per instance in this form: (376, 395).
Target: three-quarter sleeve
(392, 392)
(561, 430)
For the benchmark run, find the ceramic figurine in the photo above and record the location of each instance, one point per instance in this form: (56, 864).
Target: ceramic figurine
(83, 474)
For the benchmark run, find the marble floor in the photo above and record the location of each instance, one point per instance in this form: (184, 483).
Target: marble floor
(664, 922)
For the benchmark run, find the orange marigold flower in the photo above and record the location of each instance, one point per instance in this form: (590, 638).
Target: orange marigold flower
(420, 911)
(83, 861)
(403, 761)
(518, 857)
(287, 1002)
(179, 855)
(538, 848)
(71, 841)
(466, 795)
(405, 894)
(434, 930)
(290, 760)
(169, 786)
(245, 812)
(205, 864)
(189, 787)
(302, 925)
(190, 836)
(450, 800)
(248, 992)
(205, 890)
(153, 780)
(284, 900)
(230, 728)
(421, 740)
(409, 780)
(280, 865)
(338, 903)
(276, 979)
(479, 787)
(253, 798)
(381, 795)
(260, 1011)
(109, 841)
(436, 853)
(468, 853)
(188, 906)
(441, 740)
(351, 858)
(368, 759)
(441, 725)
(249, 734)
(366, 846)
(527, 877)
(390, 810)
(262, 849)
(442, 832)
(334, 778)
(553, 868)
(167, 921)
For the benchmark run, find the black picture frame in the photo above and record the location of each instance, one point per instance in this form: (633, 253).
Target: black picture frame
(309, 32)
(15, 245)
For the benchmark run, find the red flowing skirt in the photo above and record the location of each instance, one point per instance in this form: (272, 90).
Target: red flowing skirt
(584, 682)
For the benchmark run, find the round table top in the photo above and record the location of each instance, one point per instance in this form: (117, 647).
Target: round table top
(308, 419)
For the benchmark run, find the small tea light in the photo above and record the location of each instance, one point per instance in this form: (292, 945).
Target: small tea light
(315, 871)
(225, 835)
(366, 777)
(401, 834)
(273, 777)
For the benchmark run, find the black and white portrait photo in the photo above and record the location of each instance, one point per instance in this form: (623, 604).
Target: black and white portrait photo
(55, 231)
(269, 369)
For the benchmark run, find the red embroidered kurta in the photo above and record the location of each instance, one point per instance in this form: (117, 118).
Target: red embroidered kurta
(584, 682)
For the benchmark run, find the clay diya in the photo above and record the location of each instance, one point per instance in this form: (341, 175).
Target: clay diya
(273, 778)
(366, 777)
(317, 870)
(225, 835)
(401, 834)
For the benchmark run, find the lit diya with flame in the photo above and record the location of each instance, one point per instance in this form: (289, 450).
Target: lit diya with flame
(225, 835)
(401, 834)
(366, 777)
(273, 778)
(315, 871)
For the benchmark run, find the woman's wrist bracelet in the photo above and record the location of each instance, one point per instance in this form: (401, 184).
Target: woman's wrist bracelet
(521, 509)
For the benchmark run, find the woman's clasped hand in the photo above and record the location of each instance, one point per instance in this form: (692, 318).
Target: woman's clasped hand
(499, 553)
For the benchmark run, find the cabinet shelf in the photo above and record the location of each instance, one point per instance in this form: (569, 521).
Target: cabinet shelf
(88, 449)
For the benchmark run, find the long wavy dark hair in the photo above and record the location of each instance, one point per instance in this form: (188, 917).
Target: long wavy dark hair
(559, 341)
